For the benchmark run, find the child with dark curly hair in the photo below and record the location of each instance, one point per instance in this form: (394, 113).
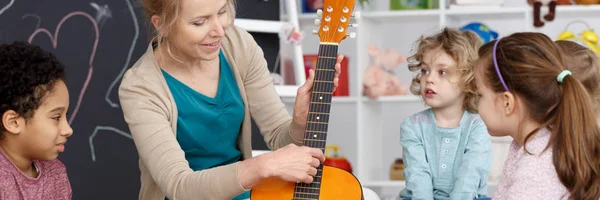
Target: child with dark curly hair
(34, 129)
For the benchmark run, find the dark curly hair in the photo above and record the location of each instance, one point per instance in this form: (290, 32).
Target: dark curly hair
(27, 74)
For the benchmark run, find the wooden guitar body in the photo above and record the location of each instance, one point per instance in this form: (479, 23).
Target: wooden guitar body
(336, 183)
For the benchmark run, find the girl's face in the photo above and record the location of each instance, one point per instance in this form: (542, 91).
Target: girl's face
(438, 85)
(490, 107)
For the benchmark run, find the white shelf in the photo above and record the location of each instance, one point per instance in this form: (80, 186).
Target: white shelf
(578, 8)
(486, 12)
(287, 90)
(387, 14)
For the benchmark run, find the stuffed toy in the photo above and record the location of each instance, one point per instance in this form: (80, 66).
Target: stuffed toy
(484, 32)
(379, 78)
(537, 16)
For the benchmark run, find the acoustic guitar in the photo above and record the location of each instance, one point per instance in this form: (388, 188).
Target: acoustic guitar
(330, 183)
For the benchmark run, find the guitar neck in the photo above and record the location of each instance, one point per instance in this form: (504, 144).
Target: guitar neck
(315, 134)
(320, 103)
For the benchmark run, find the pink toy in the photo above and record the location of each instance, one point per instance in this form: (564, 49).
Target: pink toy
(379, 79)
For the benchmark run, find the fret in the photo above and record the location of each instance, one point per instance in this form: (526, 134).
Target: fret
(316, 140)
(318, 81)
(328, 57)
(316, 127)
(308, 188)
(326, 70)
(310, 134)
(316, 122)
(328, 50)
(323, 86)
(315, 144)
(319, 107)
(318, 117)
(318, 113)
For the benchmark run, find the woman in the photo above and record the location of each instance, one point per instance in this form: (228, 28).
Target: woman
(189, 99)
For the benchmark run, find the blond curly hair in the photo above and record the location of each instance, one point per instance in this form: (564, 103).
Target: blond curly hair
(462, 46)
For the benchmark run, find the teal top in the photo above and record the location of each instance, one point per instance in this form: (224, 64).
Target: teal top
(208, 128)
(445, 163)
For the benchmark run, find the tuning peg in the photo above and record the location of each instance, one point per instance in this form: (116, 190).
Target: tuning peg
(343, 19)
(315, 32)
(317, 22)
(354, 25)
(329, 9)
(352, 35)
(319, 12)
(356, 15)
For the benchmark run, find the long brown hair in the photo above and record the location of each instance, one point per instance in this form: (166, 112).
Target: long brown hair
(462, 47)
(529, 64)
(583, 62)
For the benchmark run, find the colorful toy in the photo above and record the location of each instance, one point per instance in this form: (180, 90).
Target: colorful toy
(586, 38)
(537, 16)
(336, 160)
(379, 78)
(483, 31)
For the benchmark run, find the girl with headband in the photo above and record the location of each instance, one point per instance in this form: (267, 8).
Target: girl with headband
(528, 93)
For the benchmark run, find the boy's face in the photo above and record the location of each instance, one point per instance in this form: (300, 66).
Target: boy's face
(44, 136)
(439, 81)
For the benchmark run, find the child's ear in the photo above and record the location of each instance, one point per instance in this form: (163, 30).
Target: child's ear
(509, 103)
(12, 122)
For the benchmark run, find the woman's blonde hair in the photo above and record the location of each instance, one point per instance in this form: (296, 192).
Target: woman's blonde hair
(168, 11)
(462, 46)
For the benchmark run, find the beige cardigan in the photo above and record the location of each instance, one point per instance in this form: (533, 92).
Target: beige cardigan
(151, 115)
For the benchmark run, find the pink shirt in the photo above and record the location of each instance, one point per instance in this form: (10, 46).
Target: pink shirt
(528, 176)
(52, 181)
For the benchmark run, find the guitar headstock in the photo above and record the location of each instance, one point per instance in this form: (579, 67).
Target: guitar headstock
(335, 20)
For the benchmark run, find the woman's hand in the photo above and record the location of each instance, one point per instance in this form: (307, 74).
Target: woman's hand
(302, 102)
(292, 163)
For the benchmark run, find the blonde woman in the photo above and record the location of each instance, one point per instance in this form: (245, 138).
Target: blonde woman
(189, 100)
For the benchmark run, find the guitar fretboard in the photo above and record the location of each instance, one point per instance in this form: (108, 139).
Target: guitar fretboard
(315, 135)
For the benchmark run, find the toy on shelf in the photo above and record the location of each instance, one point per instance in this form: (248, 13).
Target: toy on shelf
(336, 160)
(483, 31)
(537, 11)
(397, 170)
(587, 38)
(410, 4)
(379, 78)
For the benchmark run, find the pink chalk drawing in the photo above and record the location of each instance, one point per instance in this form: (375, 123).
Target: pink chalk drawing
(54, 39)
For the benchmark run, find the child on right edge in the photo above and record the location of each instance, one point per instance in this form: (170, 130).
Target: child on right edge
(33, 105)
(446, 148)
(528, 92)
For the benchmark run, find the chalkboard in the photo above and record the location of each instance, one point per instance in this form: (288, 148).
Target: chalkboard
(98, 40)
